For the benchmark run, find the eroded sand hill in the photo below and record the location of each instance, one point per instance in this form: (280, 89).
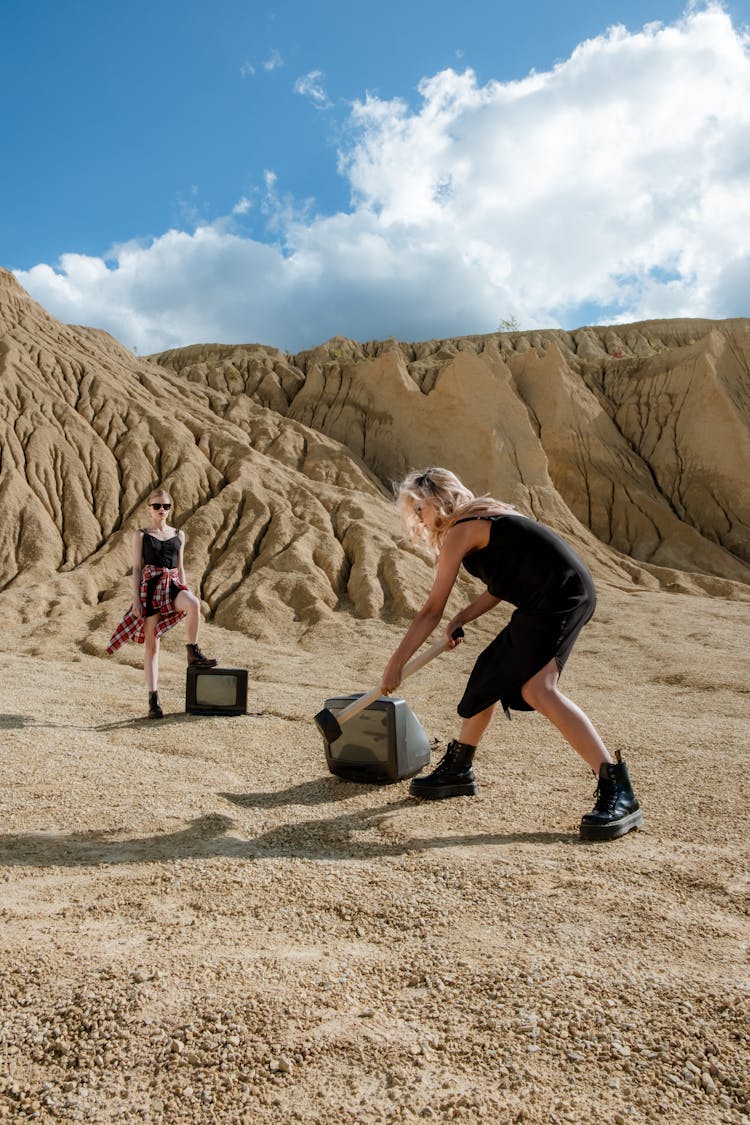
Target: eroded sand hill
(200, 924)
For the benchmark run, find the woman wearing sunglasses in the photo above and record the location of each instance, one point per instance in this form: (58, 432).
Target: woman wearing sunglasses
(161, 596)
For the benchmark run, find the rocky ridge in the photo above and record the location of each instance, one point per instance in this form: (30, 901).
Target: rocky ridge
(633, 442)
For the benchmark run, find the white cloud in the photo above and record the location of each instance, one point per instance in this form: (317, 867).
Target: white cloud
(619, 180)
(242, 206)
(311, 86)
(274, 60)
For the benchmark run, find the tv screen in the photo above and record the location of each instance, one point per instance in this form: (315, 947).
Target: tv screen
(216, 691)
(385, 742)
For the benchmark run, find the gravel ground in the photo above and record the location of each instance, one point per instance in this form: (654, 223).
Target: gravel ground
(200, 924)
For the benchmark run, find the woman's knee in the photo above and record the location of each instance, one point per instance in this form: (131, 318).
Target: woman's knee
(529, 694)
(537, 694)
(542, 687)
(151, 642)
(187, 602)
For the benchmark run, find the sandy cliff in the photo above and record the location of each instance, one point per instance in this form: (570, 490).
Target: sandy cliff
(633, 442)
(640, 436)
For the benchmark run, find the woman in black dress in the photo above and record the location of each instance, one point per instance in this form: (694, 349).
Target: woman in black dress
(161, 596)
(525, 563)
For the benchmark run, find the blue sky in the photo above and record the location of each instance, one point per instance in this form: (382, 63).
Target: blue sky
(282, 172)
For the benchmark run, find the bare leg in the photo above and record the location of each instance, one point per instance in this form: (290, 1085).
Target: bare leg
(472, 729)
(541, 693)
(187, 603)
(151, 657)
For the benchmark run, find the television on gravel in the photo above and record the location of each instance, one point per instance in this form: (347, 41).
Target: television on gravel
(216, 691)
(384, 743)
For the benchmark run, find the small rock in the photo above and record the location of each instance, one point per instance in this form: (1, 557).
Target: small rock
(708, 1083)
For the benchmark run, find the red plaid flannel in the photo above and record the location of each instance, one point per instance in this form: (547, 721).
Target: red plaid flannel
(131, 626)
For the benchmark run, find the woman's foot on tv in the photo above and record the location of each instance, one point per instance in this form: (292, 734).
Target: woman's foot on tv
(197, 659)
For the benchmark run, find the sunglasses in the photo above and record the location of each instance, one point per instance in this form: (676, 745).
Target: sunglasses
(158, 507)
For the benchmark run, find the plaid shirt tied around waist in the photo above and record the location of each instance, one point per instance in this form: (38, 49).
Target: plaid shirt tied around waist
(131, 626)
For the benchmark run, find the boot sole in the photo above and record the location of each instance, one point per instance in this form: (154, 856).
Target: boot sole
(614, 830)
(438, 793)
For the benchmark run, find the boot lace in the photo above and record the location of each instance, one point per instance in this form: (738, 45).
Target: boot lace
(605, 797)
(445, 765)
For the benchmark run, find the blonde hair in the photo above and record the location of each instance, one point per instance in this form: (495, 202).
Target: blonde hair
(451, 499)
(159, 492)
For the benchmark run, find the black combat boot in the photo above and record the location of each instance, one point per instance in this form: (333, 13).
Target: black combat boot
(452, 777)
(196, 659)
(154, 706)
(616, 810)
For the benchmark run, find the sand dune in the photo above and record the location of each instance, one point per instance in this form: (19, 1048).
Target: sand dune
(634, 443)
(200, 924)
(641, 435)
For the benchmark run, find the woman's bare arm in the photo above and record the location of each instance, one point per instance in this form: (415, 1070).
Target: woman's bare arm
(137, 548)
(456, 544)
(471, 612)
(181, 558)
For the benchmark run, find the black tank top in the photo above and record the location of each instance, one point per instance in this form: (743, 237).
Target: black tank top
(526, 564)
(161, 552)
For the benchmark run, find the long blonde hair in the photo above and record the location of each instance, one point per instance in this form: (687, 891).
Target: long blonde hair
(451, 499)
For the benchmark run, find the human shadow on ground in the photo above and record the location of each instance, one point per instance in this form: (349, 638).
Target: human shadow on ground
(347, 835)
(24, 722)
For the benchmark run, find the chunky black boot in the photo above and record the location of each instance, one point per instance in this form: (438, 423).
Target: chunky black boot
(154, 706)
(196, 659)
(452, 777)
(616, 810)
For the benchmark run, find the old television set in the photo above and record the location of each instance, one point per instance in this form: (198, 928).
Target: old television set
(384, 743)
(216, 691)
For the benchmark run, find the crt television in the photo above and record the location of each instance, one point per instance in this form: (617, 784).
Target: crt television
(384, 743)
(216, 691)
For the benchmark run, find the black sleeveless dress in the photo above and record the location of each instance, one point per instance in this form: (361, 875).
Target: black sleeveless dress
(164, 553)
(526, 564)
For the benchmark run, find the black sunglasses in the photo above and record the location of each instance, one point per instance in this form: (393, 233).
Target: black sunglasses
(166, 507)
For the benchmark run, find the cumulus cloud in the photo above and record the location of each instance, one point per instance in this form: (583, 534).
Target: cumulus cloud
(615, 186)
